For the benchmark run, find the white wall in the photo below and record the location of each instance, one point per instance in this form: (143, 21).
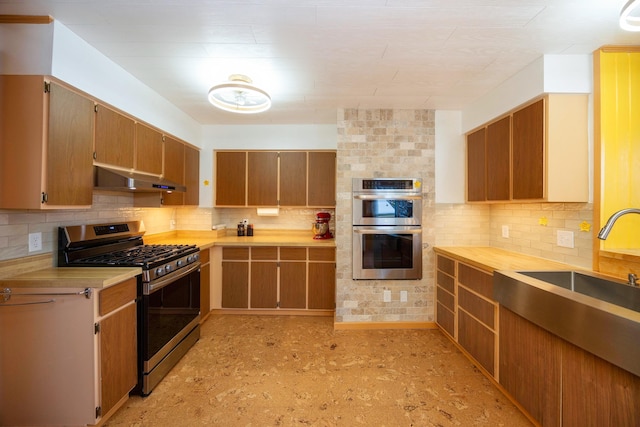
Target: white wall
(52, 49)
(547, 74)
(450, 158)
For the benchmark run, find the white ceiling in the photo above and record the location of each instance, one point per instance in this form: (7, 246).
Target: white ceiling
(314, 56)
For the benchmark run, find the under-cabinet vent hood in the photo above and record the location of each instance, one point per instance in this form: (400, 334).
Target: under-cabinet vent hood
(109, 179)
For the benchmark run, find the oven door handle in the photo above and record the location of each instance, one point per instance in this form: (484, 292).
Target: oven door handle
(389, 230)
(149, 288)
(387, 196)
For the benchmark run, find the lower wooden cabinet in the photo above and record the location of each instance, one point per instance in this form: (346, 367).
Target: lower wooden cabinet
(466, 311)
(68, 358)
(278, 278)
(205, 284)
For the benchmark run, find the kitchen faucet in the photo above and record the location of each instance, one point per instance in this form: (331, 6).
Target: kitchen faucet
(602, 235)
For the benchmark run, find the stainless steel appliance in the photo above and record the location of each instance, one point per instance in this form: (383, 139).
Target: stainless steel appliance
(387, 231)
(168, 289)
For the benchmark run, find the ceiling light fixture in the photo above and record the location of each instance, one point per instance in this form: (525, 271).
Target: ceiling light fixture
(238, 95)
(630, 16)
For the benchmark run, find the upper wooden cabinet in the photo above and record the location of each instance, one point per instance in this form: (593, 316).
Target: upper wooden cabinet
(538, 152)
(46, 145)
(148, 154)
(115, 138)
(182, 166)
(271, 178)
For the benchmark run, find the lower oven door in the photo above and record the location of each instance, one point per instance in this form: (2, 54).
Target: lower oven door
(387, 252)
(169, 319)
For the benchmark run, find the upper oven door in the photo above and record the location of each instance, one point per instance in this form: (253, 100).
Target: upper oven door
(387, 209)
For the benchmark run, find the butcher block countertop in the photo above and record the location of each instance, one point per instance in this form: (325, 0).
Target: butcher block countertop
(208, 239)
(71, 277)
(492, 259)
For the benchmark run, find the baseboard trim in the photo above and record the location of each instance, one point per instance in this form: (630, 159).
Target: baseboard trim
(383, 325)
(271, 312)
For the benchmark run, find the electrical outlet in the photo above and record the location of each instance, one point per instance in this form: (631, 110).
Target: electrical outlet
(35, 242)
(386, 296)
(505, 231)
(565, 239)
(403, 296)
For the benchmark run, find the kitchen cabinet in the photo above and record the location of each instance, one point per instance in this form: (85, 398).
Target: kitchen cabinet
(466, 311)
(231, 178)
(84, 363)
(526, 153)
(205, 284)
(149, 150)
(275, 178)
(46, 145)
(114, 142)
(278, 278)
(530, 367)
(192, 176)
(235, 277)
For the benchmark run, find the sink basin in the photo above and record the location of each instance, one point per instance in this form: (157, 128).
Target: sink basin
(610, 290)
(594, 312)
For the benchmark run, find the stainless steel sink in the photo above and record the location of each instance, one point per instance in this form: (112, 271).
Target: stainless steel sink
(611, 290)
(594, 312)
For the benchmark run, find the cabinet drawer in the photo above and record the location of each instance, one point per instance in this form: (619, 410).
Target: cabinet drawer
(269, 253)
(293, 254)
(447, 282)
(117, 295)
(477, 307)
(322, 254)
(445, 298)
(232, 253)
(479, 341)
(476, 280)
(204, 256)
(446, 319)
(447, 265)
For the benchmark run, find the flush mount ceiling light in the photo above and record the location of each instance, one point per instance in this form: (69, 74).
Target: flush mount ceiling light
(630, 16)
(238, 95)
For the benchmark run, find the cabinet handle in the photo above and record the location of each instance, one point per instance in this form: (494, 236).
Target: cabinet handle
(6, 294)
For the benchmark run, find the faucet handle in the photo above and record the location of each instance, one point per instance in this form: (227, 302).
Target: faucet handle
(633, 279)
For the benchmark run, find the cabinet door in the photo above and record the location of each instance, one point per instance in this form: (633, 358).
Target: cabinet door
(262, 178)
(118, 356)
(530, 367)
(293, 178)
(69, 148)
(498, 159)
(205, 283)
(114, 140)
(293, 284)
(231, 178)
(322, 278)
(528, 152)
(445, 294)
(149, 146)
(476, 166)
(235, 284)
(174, 169)
(264, 284)
(192, 176)
(322, 179)
(597, 393)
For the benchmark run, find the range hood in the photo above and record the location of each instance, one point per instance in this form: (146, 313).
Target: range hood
(109, 179)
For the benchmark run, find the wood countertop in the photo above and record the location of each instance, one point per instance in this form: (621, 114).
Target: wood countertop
(71, 277)
(491, 259)
(206, 239)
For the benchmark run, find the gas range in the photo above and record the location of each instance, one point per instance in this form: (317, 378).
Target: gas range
(121, 245)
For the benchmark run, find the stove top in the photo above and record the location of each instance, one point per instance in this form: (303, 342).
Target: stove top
(121, 245)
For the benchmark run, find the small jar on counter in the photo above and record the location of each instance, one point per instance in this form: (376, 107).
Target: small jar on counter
(249, 229)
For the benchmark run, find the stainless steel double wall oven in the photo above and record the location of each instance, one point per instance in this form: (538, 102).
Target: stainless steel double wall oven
(168, 289)
(387, 228)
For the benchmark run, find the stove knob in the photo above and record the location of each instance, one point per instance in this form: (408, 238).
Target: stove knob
(167, 268)
(159, 271)
(179, 263)
(190, 259)
(196, 257)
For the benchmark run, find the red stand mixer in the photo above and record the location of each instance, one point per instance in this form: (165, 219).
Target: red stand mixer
(321, 226)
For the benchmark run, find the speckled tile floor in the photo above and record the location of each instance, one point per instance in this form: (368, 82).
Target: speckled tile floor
(285, 371)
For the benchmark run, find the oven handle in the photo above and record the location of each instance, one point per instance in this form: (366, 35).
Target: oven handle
(149, 288)
(387, 230)
(386, 196)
